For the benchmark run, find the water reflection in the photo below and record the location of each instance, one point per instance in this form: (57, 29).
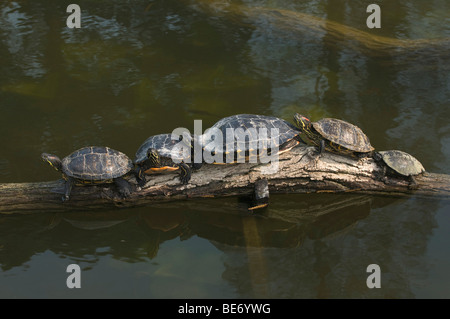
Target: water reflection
(22, 34)
(324, 246)
(205, 219)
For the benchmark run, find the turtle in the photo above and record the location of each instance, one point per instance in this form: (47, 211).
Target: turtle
(160, 153)
(335, 135)
(254, 136)
(248, 138)
(92, 165)
(399, 163)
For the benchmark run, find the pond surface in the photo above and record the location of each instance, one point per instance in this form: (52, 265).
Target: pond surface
(140, 68)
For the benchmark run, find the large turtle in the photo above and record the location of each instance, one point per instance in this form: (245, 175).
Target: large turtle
(248, 138)
(335, 136)
(92, 165)
(163, 153)
(398, 163)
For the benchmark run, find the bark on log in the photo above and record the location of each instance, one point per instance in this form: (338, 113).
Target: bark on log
(298, 25)
(299, 171)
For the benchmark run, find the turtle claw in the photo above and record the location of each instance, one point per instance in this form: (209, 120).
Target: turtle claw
(314, 155)
(141, 182)
(412, 184)
(124, 193)
(184, 180)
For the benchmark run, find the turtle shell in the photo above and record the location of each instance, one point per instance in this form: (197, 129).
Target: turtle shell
(96, 163)
(165, 145)
(257, 131)
(344, 134)
(401, 162)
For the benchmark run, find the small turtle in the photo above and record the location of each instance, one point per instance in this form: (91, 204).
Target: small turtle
(161, 153)
(398, 163)
(248, 138)
(92, 165)
(335, 136)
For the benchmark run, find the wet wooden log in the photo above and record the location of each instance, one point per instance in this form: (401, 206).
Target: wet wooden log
(299, 171)
(297, 25)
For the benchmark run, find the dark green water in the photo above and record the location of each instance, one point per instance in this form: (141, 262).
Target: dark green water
(140, 68)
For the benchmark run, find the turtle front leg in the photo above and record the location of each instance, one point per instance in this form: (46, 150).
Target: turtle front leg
(314, 154)
(321, 146)
(261, 194)
(140, 176)
(123, 187)
(68, 188)
(381, 174)
(412, 183)
(185, 173)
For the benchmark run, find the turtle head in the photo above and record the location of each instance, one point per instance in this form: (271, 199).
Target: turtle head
(187, 139)
(53, 160)
(153, 157)
(377, 156)
(302, 122)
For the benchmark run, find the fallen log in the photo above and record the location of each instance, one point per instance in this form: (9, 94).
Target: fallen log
(299, 171)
